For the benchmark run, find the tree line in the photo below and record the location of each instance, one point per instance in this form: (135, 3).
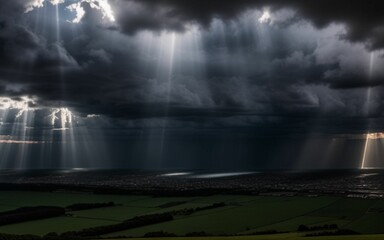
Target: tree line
(36, 213)
(29, 214)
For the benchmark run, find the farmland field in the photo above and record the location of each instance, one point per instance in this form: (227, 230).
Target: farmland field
(276, 237)
(241, 215)
(58, 225)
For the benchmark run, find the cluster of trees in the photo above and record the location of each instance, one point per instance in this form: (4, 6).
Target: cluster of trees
(29, 214)
(338, 232)
(325, 230)
(160, 234)
(4, 236)
(86, 206)
(304, 228)
(129, 224)
(189, 211)
(267, 232)
(197, 234)
(49, 236)
(213, 206)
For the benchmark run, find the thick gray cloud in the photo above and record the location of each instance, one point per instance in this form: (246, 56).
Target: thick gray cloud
(363, 19)
(311, 60)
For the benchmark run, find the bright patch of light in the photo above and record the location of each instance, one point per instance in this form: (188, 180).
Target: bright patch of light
(368, 138)
(34, 4)
(93, 116)
(19, 142)
(56, 2)
(104, 7)
(79, 169)
(371, 64)
(222, 175)
(374, 136)
(80, 12)
(365, 151)
(74, 170)
(266, 17)
(23, 104)
(101, 5)
(63, 115)
(176, 174)
(367, 175)
(31, 5)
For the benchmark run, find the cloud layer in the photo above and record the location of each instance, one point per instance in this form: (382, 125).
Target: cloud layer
(312, 59)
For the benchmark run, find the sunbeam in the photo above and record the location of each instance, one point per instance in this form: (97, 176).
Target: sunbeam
(168, 91)
(266, 17)
(367, 109)
(365, 152)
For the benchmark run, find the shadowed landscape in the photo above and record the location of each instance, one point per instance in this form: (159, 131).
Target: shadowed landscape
(168, 205)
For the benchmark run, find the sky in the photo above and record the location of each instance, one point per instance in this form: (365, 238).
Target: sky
(178, 84)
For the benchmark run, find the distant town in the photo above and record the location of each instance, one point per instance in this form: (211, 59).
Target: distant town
(345, 183)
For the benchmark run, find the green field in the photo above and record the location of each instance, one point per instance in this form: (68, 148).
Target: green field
(19, 199)
(275, 237)
(242, 215)
(238, 217)
(58, 225)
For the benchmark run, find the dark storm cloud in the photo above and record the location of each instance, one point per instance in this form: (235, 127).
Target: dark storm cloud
(364, 19)
(8, 8)
(354, 82)
(93, 68)
(20, 47)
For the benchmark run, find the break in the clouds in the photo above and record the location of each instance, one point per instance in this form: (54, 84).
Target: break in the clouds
(268, 68)
(102, 5)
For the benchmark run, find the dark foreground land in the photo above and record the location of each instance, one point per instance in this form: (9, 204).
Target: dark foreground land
(115, 205)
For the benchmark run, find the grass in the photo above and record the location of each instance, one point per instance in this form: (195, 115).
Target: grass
(224, 198)
(237, 218)
(346, 208)
(290, 236)
(58, 225)
(117, 213)
(21, 199)
(291, 225)
(242, 215)
(155, 202)
(369, 223)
